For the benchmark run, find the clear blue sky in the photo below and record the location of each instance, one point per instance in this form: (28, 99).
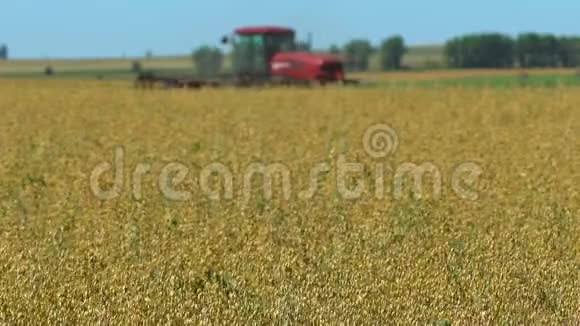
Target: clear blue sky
(111, 28)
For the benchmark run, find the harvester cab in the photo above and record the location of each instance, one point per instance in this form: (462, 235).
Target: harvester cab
(269, 53)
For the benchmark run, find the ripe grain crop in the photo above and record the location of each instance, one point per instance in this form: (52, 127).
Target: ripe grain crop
(67, 257)
(449, 74)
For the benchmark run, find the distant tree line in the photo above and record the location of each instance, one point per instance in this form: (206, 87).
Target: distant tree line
(487, 50)
(529, 50)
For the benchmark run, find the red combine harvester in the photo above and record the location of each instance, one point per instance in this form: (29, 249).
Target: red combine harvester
(263, 56)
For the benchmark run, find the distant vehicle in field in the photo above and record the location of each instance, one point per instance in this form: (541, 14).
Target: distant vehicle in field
(264, 55)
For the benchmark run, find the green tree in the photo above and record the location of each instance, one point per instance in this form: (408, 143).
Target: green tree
(538, 50)
(208, 61)
(453, 53)
(357, 54)
(334, 49)
(480, 51)
(48, 71)
(136, 66)
(392, 51)
(3, 52)
(569, 51)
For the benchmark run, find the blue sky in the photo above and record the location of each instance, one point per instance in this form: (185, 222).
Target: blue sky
(111, 28)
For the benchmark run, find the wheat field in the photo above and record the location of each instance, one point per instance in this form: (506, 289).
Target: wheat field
(508, 255)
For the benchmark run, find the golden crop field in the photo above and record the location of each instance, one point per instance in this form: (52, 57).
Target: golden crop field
(114, 205)
(445, 74)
